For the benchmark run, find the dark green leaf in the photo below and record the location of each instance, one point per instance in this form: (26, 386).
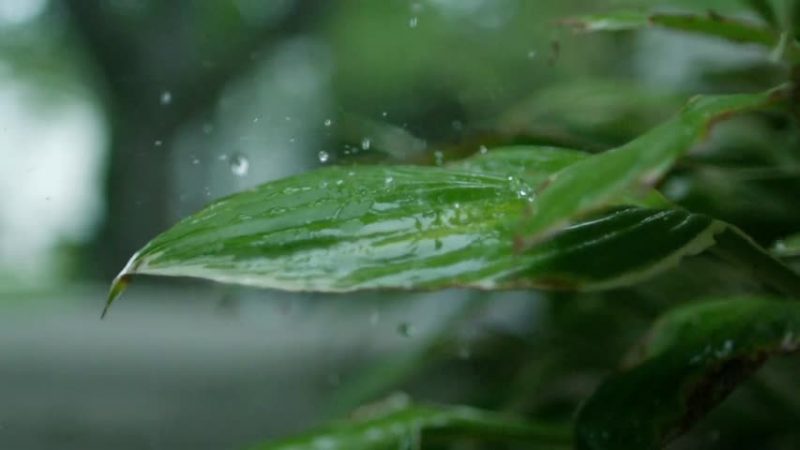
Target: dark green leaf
(601, 179)
(404, 426)
(693, 358)
(736, 247)
(765, 10)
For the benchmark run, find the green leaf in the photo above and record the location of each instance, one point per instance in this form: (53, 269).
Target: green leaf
(693, 358)
(342, 229)
(601, 179)
(710, 25)
(765, 10)
(788, 247)
(398, 425)
(736, 247)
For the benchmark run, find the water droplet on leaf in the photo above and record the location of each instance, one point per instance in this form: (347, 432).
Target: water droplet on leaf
(323, 156)
(365, 144)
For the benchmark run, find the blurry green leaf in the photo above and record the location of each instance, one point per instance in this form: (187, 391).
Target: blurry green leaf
(610, 112)
(693, 358)
(533, 164)
(764, 9)
(710, 25)
(404, 426)
(600, 179)
(342, 229)
(788, 247)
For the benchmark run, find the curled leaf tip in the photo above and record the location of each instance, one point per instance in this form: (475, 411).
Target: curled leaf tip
(118, 286)
(120, 283)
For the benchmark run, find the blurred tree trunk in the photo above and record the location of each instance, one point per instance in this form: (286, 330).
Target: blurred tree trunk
(137, 72)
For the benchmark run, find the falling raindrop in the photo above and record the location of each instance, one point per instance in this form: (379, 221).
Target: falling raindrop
(405, 329)
(365, 144)
(389, 181)
(239, 165)
(384, 114)
(483, 150)
(532, 54)
(328, 122)
(208, 128)
(438, 157)
(323, 156)
(157, 143)
(413, 22)
(166, 98)
(375, 317)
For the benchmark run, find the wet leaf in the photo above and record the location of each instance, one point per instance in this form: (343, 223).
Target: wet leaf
(693, 358)
(600, 179)
(406, 426)
(342, 229)
(710, 24)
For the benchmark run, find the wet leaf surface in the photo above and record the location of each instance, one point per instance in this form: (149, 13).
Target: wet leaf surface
(692, 359)
(406, 426)
(342, 229)
(601, 179)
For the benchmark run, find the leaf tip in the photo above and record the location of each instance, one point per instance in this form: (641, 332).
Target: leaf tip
(118, 286)
(120, 283)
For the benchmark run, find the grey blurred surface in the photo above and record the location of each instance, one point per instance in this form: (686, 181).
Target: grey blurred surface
(200, 367)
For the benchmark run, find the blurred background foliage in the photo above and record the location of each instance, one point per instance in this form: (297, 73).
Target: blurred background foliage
(121, 116)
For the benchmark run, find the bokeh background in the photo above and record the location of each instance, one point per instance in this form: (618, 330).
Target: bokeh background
(119, 117)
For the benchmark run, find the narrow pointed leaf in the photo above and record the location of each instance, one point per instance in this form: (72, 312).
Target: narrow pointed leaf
(406, 427)
(344, 229)
(708, 24)
(600, 179)
(693, 358)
